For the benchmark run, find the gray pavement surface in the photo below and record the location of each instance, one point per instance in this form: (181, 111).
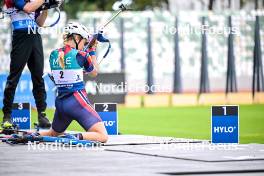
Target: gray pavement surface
(134, 155)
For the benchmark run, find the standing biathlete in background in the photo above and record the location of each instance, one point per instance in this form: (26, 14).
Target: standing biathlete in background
(26, 49)
(68, 64)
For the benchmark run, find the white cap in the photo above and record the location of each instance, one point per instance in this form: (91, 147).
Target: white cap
(76, 28)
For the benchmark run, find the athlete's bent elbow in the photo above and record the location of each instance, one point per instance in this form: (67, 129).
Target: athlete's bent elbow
(28, 9)
(32, 6)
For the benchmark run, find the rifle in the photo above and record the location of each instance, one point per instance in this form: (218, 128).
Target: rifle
(99, 35)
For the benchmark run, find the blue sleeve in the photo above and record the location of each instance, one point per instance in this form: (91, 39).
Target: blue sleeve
(84, 62)
(20, 4)
(92, 53)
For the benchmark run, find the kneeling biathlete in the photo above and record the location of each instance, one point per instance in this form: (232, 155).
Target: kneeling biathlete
(67, 65)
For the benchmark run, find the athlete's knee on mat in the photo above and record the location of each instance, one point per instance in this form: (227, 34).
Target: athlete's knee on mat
(100, 129)
(102, 132)
(103, 138)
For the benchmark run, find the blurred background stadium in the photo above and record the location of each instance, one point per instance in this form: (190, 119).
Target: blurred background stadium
(163, 70)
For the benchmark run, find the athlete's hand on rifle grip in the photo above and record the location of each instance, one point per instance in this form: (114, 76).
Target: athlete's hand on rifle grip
(49, 4)
(61, 59)
(58, 2)
(54, 1)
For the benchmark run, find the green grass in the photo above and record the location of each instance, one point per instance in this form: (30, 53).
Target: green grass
(189, 122)
(186, 122)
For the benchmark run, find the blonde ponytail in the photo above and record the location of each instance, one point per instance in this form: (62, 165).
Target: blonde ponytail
(61, 53)
(61, 59)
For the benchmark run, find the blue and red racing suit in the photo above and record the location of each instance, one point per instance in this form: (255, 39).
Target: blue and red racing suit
(72, 102)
